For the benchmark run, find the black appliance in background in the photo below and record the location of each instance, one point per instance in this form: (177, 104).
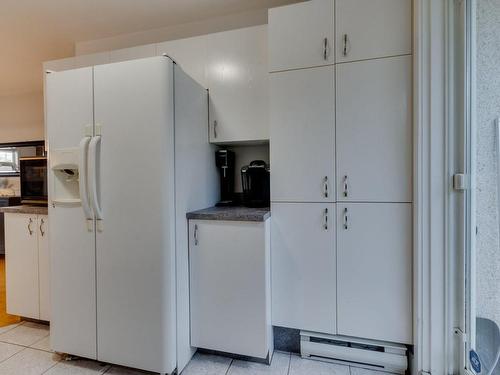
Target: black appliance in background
(33, 172)
(255, 182)
(224, 160)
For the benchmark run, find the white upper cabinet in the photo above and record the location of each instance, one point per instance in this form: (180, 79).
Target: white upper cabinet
(367, 29)
(374, 271)
(237, 79)
(374, 130)
(301, 35)
(302, 118)
(303, 266)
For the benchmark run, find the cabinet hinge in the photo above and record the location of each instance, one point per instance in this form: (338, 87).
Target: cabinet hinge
(460, 335)
(461, 182)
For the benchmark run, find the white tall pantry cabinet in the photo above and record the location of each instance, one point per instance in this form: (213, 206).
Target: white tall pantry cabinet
(341, 177)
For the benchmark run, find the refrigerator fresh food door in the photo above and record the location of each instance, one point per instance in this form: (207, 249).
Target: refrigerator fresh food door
(71, 236)
(132, 186)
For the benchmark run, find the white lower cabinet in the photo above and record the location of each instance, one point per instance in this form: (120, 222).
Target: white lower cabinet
(374, 271)
(27, 265)
(303, 266)
(230, 286)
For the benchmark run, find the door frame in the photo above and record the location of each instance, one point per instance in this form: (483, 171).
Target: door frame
(444, 86)
(435, 202)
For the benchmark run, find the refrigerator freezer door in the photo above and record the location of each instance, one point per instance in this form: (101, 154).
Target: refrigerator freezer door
(73, 317)
(135, 249)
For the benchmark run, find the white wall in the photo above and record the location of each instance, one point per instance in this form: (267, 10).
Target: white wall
(21, 118)
(187, 30)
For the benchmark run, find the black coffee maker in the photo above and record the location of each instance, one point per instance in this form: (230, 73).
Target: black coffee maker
(224, 160)
(255, 182)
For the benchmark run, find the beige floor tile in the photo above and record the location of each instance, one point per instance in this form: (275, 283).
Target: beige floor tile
(301, 366)
(78, 367)
(25, 334)
(28, 362)
(279, 366)
(206, 364)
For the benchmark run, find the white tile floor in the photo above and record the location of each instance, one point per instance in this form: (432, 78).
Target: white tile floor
(25, 350)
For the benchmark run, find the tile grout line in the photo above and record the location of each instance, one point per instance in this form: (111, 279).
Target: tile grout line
(6, 359)
(229, 367)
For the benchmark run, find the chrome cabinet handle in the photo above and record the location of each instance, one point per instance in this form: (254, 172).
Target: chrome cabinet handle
(346, 187)
(215, 128)
(196, 235)
(42, 223)
(325, 49)
(325, 186)
(346, 41)
(30, 231)
(326, 219)
(346, 219)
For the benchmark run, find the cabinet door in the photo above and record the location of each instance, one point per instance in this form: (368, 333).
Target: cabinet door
(303, 266)
(21, 259)
(238, 85)
(302, 117)
(367, 29)
(44, 266)
(374, 272)
(374, 130)
(229, 281)
(301, 35)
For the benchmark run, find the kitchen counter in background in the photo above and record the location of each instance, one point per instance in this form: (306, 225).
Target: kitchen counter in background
(25, 209)
(231, 214)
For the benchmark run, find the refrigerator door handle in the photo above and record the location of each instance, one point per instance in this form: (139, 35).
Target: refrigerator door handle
(82, 177)
(93, 176)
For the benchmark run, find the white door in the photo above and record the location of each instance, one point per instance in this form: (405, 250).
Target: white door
(374, 130)
(229, 282)
(135, 238)
(44, 266)
(73, 290)
(303, 266)
(237, 79)
(302, 119)
(374, 271)
(367, 29)
(301, 35)
(21, 259)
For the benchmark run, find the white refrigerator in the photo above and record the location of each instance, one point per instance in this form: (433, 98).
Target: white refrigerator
(128, 157)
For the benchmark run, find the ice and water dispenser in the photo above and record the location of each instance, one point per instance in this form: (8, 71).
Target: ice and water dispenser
(64, 164)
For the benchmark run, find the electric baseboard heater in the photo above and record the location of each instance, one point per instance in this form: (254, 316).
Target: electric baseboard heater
(370, 354)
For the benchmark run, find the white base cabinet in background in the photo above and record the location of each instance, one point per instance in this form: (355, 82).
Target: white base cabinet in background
(230, 287)
(304, 272)
(374, 271)
(27, 261)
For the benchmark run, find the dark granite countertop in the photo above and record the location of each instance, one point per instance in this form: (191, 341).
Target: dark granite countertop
(237, 213)
(25, 209)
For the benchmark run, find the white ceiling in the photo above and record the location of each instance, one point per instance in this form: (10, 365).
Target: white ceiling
(34, 31)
